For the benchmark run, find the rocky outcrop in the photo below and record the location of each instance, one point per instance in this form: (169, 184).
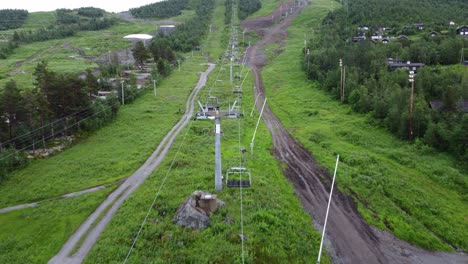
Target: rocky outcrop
(196, 210)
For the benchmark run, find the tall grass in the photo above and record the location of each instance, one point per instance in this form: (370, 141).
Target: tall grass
(408, 189)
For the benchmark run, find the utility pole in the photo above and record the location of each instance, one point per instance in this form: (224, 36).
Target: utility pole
(341, 81)
(411, 79)
(256, 127)
(154, 85)
(230, 76)
(178, 63)
(328, 209)
(344, 81)
(123, 95)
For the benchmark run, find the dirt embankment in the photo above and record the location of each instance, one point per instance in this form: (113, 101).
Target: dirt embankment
(349, 238)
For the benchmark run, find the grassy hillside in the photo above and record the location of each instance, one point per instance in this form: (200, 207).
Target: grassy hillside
(276, 227)
(410, 190)
(63, 55)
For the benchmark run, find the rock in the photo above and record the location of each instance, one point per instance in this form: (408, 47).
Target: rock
(195, 211)
(190, 216)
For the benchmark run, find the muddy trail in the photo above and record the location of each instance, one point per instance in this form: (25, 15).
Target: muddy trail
(349, 239)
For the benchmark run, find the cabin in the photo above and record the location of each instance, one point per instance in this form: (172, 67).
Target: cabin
(451, 23)
(394, 64)
(419, 26)
(402, 37)
(433, 34)
(385, 40)
(166, 29)
(358, 38)
(376, 36)
(462, 31)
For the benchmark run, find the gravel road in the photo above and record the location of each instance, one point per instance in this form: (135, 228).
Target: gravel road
(92, 227)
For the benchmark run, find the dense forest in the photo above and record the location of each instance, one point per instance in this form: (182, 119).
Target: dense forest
(375, 86)
(396, 13)
(185, 37)
(247, 7)
(163, 9)
(12, 18)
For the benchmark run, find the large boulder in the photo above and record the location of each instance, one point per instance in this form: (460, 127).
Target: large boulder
(195, 211)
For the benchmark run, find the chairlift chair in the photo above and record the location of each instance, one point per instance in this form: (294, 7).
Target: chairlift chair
(233, 177)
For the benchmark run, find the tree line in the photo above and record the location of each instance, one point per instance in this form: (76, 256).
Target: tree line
(163, 9)
(60, 105)
(394, 13)
(372, 87)
(248, 7)
(12, 18)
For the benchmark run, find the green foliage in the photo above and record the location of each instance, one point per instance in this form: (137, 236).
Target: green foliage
(370, 86)
(410, 190)
(12, 18)
(91, 12)
(162, 9)
(247, 7)
(140, 53)
(391, 13)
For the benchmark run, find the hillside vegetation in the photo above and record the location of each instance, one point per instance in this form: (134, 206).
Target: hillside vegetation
(12, 18)
(370, 40)
(410, 190)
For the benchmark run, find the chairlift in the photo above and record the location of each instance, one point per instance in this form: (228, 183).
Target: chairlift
(237, 90)
(234, 179)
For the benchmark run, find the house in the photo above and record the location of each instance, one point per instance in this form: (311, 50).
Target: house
(402, 37)
(462, 31)
(166, 29)
(363, 28)
(394, 64)
(433, 34)
(462, 106)
(376, 36)
(451, 23)
(358, 38)
(385, 40)
(419, 26)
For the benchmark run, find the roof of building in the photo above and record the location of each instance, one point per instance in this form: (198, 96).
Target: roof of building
(138, 37)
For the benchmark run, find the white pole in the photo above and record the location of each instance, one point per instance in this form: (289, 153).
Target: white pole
(178, 62)
(123, 95)
(256, 127)
(154, 85)
(253, 107)
(230, 79)
(328, 208)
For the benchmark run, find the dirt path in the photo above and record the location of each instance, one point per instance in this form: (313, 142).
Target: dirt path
(350, 238)
(68, 195)
(90, 230)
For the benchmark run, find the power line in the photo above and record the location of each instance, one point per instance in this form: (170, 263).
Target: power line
(52, 135)
(157, 193)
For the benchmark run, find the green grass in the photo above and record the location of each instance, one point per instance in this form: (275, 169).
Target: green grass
(277, 228)
(20, 65)
(268, 6)
(408, 189)
(112, 153)
(34, 235)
